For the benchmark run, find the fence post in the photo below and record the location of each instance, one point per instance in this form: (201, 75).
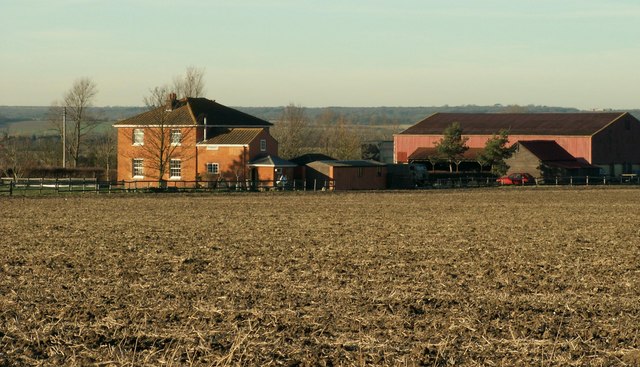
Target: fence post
(314, 184)
(556, 180)
(587, 180)
(11, 188)
(571, 181)
(69, 184)
(41, 183)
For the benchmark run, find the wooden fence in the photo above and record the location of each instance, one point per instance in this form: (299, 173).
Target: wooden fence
(42, 186)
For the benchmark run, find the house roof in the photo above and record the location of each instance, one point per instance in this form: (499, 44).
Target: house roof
(192, 111)
(423, 154)
(271, 161)
(311, 157)
(233, 136)
(516, 123)
(350, 163)
(552, 154)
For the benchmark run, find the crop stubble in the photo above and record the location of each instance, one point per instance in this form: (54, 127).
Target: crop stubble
(479, 277)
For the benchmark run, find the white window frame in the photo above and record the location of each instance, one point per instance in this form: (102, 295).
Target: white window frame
(138, 137)
(137, 166)
(263, 145)
(215, 166)
(176, 137)
(175, 169)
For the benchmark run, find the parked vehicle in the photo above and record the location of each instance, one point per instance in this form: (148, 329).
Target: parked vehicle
(517, 179)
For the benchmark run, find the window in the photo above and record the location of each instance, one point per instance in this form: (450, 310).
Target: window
(263, 145)
(175, 168)
(138, 165)
(138, 137)
(176, 136)
(213, 168)
(360, 172)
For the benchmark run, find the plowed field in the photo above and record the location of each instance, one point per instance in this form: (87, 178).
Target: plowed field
(516, 277)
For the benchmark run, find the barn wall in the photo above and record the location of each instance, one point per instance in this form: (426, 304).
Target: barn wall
(578, 146)
(372, 178)
(618, 145)
(319, 172)
(524, 161)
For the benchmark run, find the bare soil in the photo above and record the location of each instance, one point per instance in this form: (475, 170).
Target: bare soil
(506, 276)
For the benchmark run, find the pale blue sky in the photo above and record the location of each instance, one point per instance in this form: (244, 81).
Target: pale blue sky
(577, 53)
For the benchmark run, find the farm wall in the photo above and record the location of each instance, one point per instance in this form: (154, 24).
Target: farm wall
(616, 148)
(128, 151)
(524, 161)
(359, 178)
(578, 146)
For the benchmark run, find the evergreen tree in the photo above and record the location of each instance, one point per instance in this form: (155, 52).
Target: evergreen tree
(496, 152)
(453, 145)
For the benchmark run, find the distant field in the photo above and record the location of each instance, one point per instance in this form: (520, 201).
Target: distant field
(42, 128)
(506, 276)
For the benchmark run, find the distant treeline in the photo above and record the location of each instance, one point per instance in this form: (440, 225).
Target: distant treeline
(355, 115)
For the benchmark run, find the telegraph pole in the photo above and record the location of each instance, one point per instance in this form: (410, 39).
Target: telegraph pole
(64, 137)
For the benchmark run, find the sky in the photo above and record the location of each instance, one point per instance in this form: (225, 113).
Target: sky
(317, 53)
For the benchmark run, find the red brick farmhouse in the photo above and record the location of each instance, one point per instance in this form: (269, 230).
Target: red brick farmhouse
(609, 141)
(194, 139)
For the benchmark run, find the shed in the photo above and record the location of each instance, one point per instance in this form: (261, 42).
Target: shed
(347, 175)
(268, 170)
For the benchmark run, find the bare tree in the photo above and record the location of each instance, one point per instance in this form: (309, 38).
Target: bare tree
(104, 151)
(338, 138)
(79, 122)
(163, 141)
(19, 154)
(191, 84)
(292, 131)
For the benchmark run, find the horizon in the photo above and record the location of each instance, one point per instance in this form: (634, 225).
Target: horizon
(376, 53)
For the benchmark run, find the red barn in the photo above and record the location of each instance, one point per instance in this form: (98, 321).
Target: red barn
(610, 141)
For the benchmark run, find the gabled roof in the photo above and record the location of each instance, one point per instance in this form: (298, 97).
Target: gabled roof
(552, 154)
(235, 136)
(423, 154)
(192, 111)
(546, 150)
(350, 163)
(516, 123)
(311, 157)
(271, 161)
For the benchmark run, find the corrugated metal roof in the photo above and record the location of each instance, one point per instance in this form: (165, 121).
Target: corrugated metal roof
(271, 161)
(192, 111)
(516, 123)
(350, 163)
(311, 157)
(232, 136)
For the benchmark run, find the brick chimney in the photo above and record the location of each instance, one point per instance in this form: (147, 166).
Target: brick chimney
(171, 101)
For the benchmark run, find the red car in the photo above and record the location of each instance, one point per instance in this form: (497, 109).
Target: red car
(517, 179)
